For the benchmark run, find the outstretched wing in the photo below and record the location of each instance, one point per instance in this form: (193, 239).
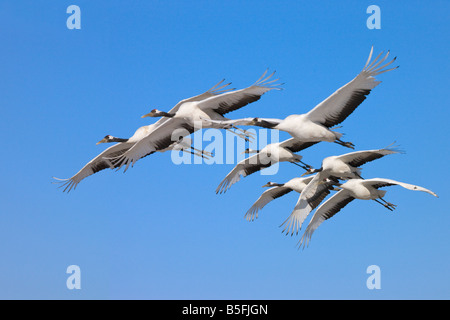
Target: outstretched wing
(95, 165)
(244, 168)
(159, 139)
(313, 194)
(380, 182)
(358, 158)
(244, 121)
(266, 197)
(233, 100)
(328, 209)
(337, 107)
(218, 89)
(295, 145)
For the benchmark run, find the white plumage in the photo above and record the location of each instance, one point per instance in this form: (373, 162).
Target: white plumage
(105, 159)
(354, 189)
(264, 158)
(192, 115)
(345, 166)
(278, 190)
(316, 125)
(208, 110)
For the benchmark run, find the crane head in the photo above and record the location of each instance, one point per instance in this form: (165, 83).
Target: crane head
(107, 138)
(153, 113)
(311, 171)
(252, 122)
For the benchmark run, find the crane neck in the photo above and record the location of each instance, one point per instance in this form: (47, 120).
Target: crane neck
(165, 114)
(265, 124)
(277, 184)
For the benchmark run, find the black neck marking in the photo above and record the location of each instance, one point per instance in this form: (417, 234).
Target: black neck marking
(266, 124)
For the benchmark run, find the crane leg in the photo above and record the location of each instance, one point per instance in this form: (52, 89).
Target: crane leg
(299, 165)
(305, 164)
(345, 144)
(387, 205)
(203, 152)
(239, 135)
(198, 153)
(245, 132)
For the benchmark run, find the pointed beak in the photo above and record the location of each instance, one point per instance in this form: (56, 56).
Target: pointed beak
(250, 123)
(102, 141)
(305, 173)
(147, 115)
(266, 185)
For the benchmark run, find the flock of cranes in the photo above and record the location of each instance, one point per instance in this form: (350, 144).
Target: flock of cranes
(337, 173)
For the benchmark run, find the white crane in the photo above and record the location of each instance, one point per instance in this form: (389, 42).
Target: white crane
(199, 112)
(350, 190)
(264, 158)
(101, 161)
(280, 189)
(184, 144)
(104, 159)
(317, 124)
(192, 115)
(345, 166)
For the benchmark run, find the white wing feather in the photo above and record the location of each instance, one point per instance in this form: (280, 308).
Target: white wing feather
(93, 166)
(302, 209)
(381, 181)
(266, 197)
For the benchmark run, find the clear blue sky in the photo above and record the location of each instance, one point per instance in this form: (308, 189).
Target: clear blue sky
(159, 231)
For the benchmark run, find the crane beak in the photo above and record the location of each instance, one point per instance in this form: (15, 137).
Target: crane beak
(102, 141)
(266, 185)
(306, 173)
(147, 115)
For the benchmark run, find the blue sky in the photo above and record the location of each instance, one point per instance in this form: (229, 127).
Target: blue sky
(159, 231)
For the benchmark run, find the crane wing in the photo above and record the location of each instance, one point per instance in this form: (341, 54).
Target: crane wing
(328, 209)
(358, 158)
(342, 198)
(295, 145)
(233, 100)
(159, 139)
(95, 165)
(380, 182)
(313, 194)
(218, 89)
(266, 197)
(337, 107)
(244, 168)
(109, 157)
